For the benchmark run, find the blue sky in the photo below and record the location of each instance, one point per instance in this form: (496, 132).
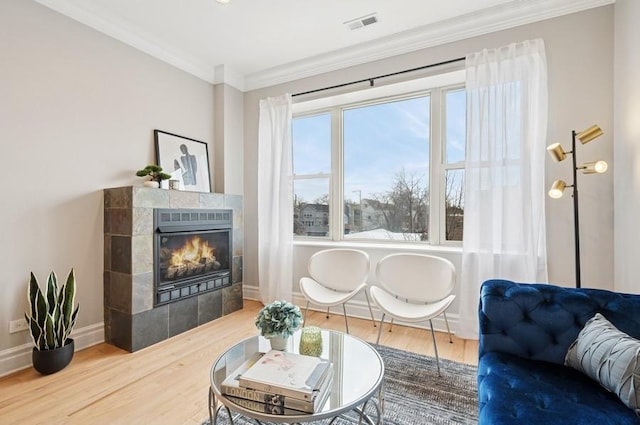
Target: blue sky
(379, 141)
(456, 125)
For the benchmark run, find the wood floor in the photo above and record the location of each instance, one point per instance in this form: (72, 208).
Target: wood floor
(168, 382)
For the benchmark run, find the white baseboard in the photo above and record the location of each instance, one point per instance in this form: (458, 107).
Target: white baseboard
(18, 358)
(359, 309)
(250, 292)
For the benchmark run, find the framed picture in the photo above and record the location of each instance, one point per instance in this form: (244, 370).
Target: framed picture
(187, 160)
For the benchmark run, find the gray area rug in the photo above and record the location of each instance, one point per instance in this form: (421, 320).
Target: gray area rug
(414, 394)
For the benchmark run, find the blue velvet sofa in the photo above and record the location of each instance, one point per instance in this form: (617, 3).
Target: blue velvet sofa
(525, 332)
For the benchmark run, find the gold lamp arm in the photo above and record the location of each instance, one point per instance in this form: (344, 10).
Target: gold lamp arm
(557, 189)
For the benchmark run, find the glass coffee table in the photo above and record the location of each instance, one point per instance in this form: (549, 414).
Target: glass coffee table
(356, 392)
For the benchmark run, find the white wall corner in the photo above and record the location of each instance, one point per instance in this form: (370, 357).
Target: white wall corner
(18, 358)
(223, 74)
(626, 146)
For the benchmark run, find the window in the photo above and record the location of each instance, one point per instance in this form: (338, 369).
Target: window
(312, 170)
(386, 169)
(454, 145)
(389, 167)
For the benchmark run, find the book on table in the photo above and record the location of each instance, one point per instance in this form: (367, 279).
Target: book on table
(287, 374)
(257, 406)
(263, 401)
(276, 404)
(284, 409)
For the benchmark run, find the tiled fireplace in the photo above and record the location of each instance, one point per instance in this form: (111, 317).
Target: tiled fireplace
(140, 311)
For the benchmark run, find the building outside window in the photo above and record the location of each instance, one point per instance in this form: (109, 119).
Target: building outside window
(388, 168)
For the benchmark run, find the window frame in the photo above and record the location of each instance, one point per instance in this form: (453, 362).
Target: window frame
(315, 176)
(445, 166)
(437, 162)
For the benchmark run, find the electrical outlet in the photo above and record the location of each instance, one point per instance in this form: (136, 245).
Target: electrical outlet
(17, 326)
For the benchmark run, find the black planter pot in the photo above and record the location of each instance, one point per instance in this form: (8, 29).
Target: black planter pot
(51, 361)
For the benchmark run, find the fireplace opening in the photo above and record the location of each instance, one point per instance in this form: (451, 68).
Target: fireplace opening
(192, 252)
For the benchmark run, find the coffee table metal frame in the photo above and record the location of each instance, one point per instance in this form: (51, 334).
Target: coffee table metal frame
(218, 401)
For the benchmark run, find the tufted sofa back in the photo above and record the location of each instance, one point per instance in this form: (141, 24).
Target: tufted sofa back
(540, 321)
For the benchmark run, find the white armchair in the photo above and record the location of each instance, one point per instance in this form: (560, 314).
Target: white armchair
(336, 276)
(414, 288)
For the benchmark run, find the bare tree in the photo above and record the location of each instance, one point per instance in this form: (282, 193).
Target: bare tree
(384, 203)
(405, 205)
(298, 206)
(454, 206)
(322, 200)
(413, 197)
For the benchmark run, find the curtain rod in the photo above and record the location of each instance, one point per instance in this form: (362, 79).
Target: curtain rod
(372, 79)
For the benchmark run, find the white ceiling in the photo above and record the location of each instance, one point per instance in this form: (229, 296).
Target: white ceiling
(256, 43)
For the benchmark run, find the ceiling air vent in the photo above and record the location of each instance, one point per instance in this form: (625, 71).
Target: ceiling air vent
(362, 21)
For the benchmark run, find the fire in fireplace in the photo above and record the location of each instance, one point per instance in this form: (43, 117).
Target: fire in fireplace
(192, 252)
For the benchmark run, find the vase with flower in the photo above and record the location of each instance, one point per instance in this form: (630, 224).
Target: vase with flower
(277, 321)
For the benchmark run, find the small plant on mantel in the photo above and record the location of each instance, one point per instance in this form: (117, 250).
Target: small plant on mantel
(154, 172)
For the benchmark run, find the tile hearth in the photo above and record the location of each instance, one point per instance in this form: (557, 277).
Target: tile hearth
(131, 320)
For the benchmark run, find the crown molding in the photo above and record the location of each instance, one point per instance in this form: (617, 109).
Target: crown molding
(133, 38)
(225, 75)
(508, 15)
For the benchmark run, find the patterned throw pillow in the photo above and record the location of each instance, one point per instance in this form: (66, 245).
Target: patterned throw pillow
(610, 357)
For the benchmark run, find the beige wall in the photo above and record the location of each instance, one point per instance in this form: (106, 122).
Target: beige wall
(77, 113)
(78, 109)
(579, 53)
(229, 139)
(627, 145)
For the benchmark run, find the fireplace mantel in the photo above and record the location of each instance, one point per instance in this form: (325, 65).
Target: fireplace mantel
(131, 320)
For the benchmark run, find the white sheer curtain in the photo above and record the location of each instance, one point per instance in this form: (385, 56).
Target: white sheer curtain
(504, 220)
(275, 203)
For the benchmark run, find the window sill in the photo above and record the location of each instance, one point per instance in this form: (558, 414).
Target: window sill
(407, 247)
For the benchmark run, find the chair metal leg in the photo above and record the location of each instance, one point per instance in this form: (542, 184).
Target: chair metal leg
(447, 323)
(435, 347)
(380, 329)
(328, 312)
(370, 311)
(306, 310)
(391, 325)
(346, 324)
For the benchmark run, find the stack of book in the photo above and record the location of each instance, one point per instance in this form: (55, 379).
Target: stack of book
(280, 383)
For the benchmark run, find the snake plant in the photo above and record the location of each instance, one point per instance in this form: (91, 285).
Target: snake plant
(53, 315)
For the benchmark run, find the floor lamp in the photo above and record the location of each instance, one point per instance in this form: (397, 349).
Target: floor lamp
(558, 154)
